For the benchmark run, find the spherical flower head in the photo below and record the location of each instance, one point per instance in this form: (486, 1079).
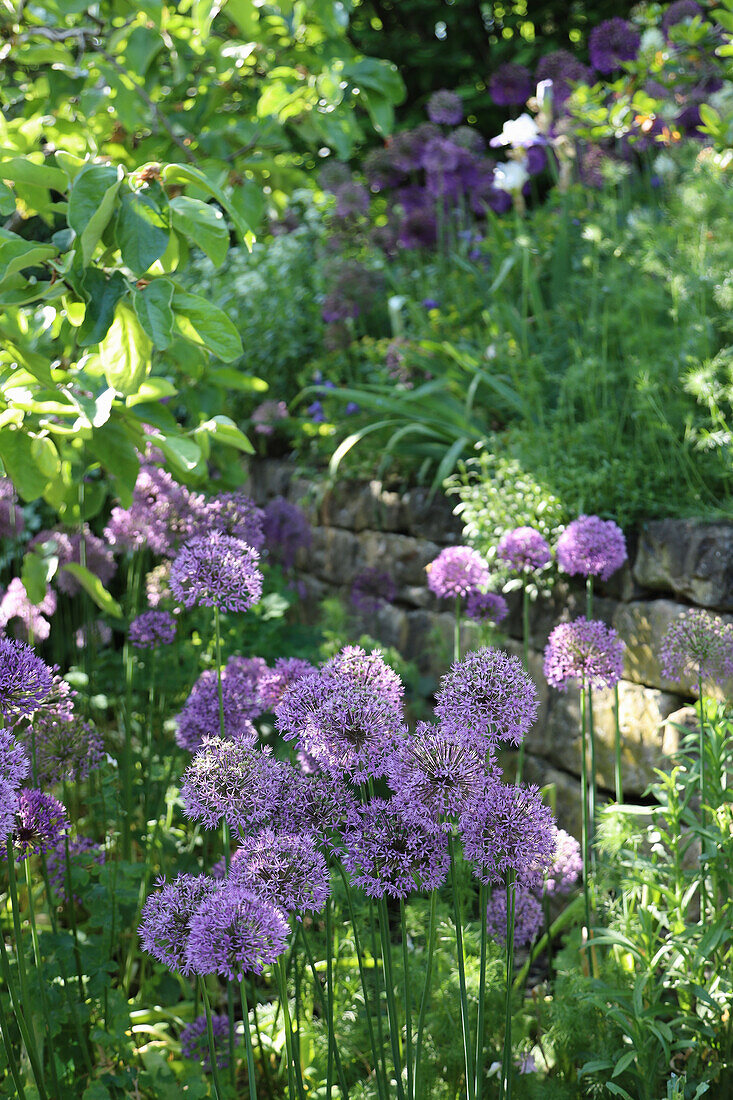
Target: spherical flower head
(151, 629)
(371, 590)
(8, 811)
(285, 869)
(487, 697)
(25, 681)
(585, 651)
(486, 607)
(368, 670)
(528, 917)
(67, 748)
(457, 572)
(591, 547)
(697, 644)
(84, 854)
(434, 775)
(681, 11)
(611, 43)
(286, 530)
(227, 780)
(510, 85)
(40, 822)
(233, 514)
(508, 828)
(524, 550)
(166, 919)
(14, 762)
(567, 864)
(235, 932)
(465, 137)
(217, 570)
(195, 1041)
(565, 71)
(29, 618)
(352, 200)
(275, 681)
(12, 520)
(158, 518)
(445, 108)
(67, 547)
(320, 803)
(240, 683)
(387, 855)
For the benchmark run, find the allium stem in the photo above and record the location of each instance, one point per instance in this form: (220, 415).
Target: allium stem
(425, 999)
(378, 989)
(589, 597)
(407, 990)
(585, 836)
(483, 902)
(703, 815)
(26, 1029)
(394, 1024)
(329, 982)
(251, 1080)
(465, 1023)
(210, 1036)
(41, 983)
(505, 1091)
(263, 1059)
(617, 733)
(293, 1075)
(591, 777)
(362, 976)
(10, 1055)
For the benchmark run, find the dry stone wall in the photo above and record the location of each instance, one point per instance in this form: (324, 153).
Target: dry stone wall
(674, 563)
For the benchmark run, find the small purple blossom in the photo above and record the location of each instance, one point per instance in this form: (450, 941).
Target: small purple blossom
(485, 607)
(285, 869)
(275, 681)
(159, 516)
(487, 697)
(40, 822)
(434, 775)
(84, 853)
(510, 85)
(240, 687)
(166, 919)
(98, 633)
(371, 590)
(195, 1041)
(219, 571)
(611, 43)
(151, 629)
(287, 530)
(387, 855)
(267, 415)
(32, 618)
(315, 409)
(591, 547)
(445, 108)
(524, 550)
(567, 864)
(456, 572)
(508, 829)
(234, 932)
(586, 651)
(12, 520)
(25, 680)
(528, 917)
(66, 747)
(696, 644)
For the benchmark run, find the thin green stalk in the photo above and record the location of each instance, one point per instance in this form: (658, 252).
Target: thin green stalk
(407, 990)
(425, 999)
(457, 631)
(41, 983)
(10, 1054)
(378, 988)
(483, 904)
(263, 1059)
(505, 1090)
(362, 976)
(585, 835)
(324, 1012)
(26, 1030)
(25, 995)
(210, 1036)
(703, 815)
(329, 983)
(589, 597)
(617, 745)
(251, 1080)
(592, 799)
(465, 1022)
(287, 1024)
(394, 1025)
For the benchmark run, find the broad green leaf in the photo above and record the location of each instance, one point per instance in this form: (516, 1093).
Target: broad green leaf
(36, 571)
(92, 584)
(152, 389)
(26, 171)
(203, 224)
(70, 164)
(35, 363)
(17, 254)
(45, 456)
(180, 451)
(185, 173)
(125, 352)
(7, 200)
(152, 305)
(102, 296)
(91, 202)
(232, 379)
(226, 431)
(249, 201)
(142, 228)
(113, 446)
(142, 46)
(20, 465)
(205, 324)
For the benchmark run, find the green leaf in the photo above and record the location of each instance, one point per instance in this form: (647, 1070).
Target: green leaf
(142, 229)
(102, 296)
(184, 173)
(112, 445)
(226, 431)
(152, 305)
(142, 46)
(91, 202)
(181, 451)
(17, 254)
(249, 201)
(35, 363)
(203, 224)
(36, 572)
(20, 465)
(125, 352)
(25, 170)
(92, 584)
(206, 325)
(624, 1062)
(45, 456)
(7, 200)
(152, 389)
(232, 379)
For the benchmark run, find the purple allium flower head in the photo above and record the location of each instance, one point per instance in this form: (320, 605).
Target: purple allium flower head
(485, 607)
(166, 918)
(151, 629)
(219, 869)
(564, 70)
(591, 547)
(287, 530)
(40, 822)
(372, 589)
(158, 518)
(567, 864)
(67, 547)
(510, 85)
(195, 1041)
(527, 916)
(456, 572)
(25, 680)
(368, 670)
(266, 416)
(229, 780)
(60, 700)
(233, 514)
(418, 227)
(695, 644)
(441, 156)
(434, 774)
(586, 651)
(12, 520)
(352, 408)
(66, 747)
(612, 42)
(681, 11)
(234, 932)
(285, 869)
(487, 697)
(385, 854)
(14, 762)
(15, 606)
(240, 681)
(445, 108)
(508, 829)
(275, 681)
(524, 550)
(352, 200)
(157, 584)
(84, 853)
(217, 570)
(8, 810)
(430, 303)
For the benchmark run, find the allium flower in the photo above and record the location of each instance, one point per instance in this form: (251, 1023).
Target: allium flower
(524, 550)
(485, 607)
(372, 589)
(67, 547)
(385, 854)
(234, 932)
(158, 518)
(567, 864)
(267, 415)
(697, 643)
(166, 918)
(83, 854)
(445, 108)
(320, 804)
(527, 916)
(465, 137)
(591, 547)
(275, 681)
(8, 810)
(151, 629)
(510, 85)
(487, 697)
(217, 570)
(40, 822)
(284, 869)
(233, 514)
(434, 774)
(240, 681)
(195, 1041)
(456, 572)
(508, 829)
(14, 762)
(286, 531)
(99, 633)
(66, 747)
(681, 11)
(60, 700)
(564, 70)
(229, 780)
(15, 605)
(12, 520)
(585, 650)
(418, 227)
(25, 680)
(612, 42)
(352, 200)
(368, 670)
(157, 584)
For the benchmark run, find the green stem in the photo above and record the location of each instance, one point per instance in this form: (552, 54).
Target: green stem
(425, 999)
(10, 1054)
(394, 1025)
(589, 597)
(465, 1023)
(41, 983)
(585, 835)
(251, 1081)
(287, 1024)
(378, 989)
(407, 990)
(210, 1036)
(703, 815)
(525, 660)
(263, 1058)
(26, 1030)
(617, 732)
(220, 692)
(483, 904)
(505, 1091)
(324, 1011)
(329, 984)
(591, 778)
(362, 976)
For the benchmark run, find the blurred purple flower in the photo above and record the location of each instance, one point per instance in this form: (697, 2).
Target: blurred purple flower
(372, 589)
(591, 547)
(240, 689)
(195, 1041)
(84, 853)
(12, 520)
(697, 643)
(31, 618)
(567, 864)
(267, 415)
(233, 514)
(275, 681)
(445, 108)
(524, 550)
(564, 70)
(528, 917)
(681, 11)
(287, 530)
(611, 43)
(485, 607)
(158, 518)
(457, 572)
(151, 629)
(67, 748)
(67, 547)
(510, 85)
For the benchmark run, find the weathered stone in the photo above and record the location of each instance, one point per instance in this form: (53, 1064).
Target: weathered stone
(693, 560)
(565, 797)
